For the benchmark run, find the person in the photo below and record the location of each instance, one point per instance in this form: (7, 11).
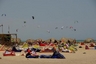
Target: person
(86, 47)
(31, 54)
(8, 52)
(57, 54)
(15, 50)
(36, 47)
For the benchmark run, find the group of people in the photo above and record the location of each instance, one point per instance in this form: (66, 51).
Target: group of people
(42, 46)
(61, 46)
(31, 53)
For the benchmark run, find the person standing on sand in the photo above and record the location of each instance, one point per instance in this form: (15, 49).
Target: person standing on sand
(56, 53)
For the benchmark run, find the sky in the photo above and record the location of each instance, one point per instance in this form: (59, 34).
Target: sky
(49, 14)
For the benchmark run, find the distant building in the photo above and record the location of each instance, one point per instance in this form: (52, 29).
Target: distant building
(5, 39)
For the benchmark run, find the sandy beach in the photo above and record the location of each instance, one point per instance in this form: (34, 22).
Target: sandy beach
(71, 58)
(35, 30)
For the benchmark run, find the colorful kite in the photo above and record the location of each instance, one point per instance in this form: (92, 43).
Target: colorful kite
(32, 17)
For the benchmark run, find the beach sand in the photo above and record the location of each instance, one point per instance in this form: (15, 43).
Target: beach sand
(71, 58)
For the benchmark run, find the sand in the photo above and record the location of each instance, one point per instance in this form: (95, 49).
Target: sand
(71, 58)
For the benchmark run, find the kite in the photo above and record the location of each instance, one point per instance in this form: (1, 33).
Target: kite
(38, 26)
(75, 21)
(56, 28)
(8, 32)
(62, 27)
(16, 30)
(32, 17)
(24, 21)
(74, 29)
(3, 15)
(71, 27)
(48, 31)
(1, 25)
(66, 26)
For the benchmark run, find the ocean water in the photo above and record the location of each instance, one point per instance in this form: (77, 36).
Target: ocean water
(79, 40)
(76, 41)
(82, 40)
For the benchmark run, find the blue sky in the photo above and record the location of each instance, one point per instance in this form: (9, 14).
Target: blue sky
(48, 15)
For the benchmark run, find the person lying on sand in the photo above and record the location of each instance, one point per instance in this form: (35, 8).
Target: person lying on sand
(31, 54)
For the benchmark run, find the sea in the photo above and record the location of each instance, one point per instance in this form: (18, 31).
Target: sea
(76, 41)
(79, 40)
